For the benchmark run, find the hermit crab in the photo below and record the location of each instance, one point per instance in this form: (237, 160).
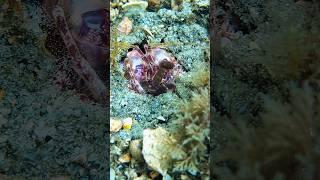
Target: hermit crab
(86, 41)
(151, 71)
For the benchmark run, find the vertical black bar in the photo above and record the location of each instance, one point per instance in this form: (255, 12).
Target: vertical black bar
(107, 137)
(212, 77)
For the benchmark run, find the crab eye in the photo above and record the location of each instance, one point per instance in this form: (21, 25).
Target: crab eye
(94, 19)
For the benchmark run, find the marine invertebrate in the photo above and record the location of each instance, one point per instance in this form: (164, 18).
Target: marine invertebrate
(151, 72)
(192, 133)
(185, 143)
(94, 27)
(80, 64)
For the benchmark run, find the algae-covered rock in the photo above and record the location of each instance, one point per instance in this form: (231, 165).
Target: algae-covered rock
(135, 5)
(115, 125)
(156, 151)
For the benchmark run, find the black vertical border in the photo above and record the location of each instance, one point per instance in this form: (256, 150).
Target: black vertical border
(213, 57)
(108, 93)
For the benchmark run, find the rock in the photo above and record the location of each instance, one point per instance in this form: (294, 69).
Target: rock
(142, 177)
(125, 136)
(184, 177)
(135, 5)
(112, 174)
(125, 158)
(161, 118)
(115, 125)
(202, 3)
(131, 173)
(127, 123)
(154, 3)
(125, 26)
(154, 174)
(156, 150)
(135, 149)
(112, 140)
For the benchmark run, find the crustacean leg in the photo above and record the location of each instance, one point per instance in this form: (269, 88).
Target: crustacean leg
(136, 48)
(164, 67)
(157, 84)
(135, 85)
(80, 64)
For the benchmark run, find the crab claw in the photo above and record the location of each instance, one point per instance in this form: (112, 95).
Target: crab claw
(152, 71)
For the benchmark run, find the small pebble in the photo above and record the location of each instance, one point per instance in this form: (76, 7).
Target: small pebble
(125, 136)
(127, 123)
(125, 158)
(161, 118)
(184, 177)
(154, 174)
(112, 174)
(115, 125)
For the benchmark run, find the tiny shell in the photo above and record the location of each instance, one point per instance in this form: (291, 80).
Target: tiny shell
(125, 158)
(127, 123)
(115, 125)
(161, 118)
(125, 26)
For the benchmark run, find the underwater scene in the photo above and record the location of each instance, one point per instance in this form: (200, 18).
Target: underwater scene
(159, 89)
